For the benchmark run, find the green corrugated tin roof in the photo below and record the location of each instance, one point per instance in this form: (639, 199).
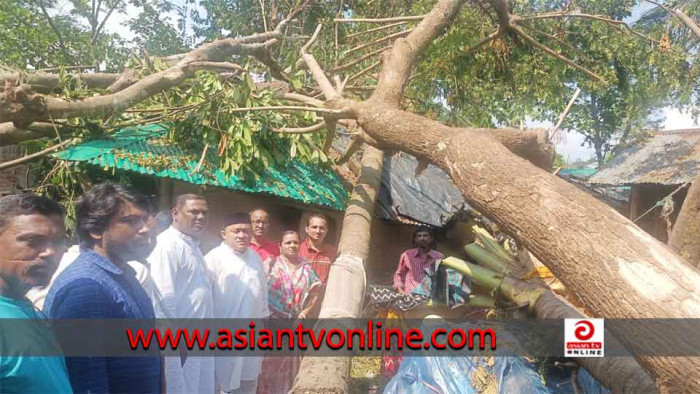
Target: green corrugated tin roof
(139, 149)
(579, 172)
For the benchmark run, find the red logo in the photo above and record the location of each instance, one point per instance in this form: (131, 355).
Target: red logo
(584, 337)
(584, 330)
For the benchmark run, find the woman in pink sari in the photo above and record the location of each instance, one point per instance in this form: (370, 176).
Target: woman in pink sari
(292, 294)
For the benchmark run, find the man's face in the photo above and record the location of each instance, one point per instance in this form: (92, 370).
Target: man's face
(260, 222)
(423, 239)
(237, 236)
(192, 217)
(32, 247)
(317, 229)
(127, 236)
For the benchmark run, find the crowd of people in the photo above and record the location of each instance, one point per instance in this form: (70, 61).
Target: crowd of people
(131, 263)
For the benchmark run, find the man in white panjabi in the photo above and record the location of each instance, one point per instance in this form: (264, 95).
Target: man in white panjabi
(180, 276)
(240, 292)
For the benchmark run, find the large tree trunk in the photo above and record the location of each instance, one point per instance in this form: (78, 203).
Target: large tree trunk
(685, 237)
(346, 282)
(620, 374)
(614, 268)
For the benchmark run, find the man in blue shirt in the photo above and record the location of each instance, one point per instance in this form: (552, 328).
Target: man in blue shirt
(32, 236)
(111, 222)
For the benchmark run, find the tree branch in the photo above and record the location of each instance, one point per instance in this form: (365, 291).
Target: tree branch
(683, 17)
(398, 63)
(300, 98)
(381, 20)
(66, 68)
(361, 59)
(59, 36)
(354, 146)
(217, 66)
(555, 54)
(319, 76)
(330, 135)
(10, 135)
(365, 71)
(553, 132)
(302, 130)
(386, 38)
(376, 29)
(337, 113)
(22, 106)
(47, 82)
(201, 160)
(99, 28)
(567, 14)
(496, 34)
(24, 159)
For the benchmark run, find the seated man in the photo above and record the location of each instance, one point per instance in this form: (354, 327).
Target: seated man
(413, 262)
(239, 292)
(111, 222)
(314, 249)
(32, 236)
(266, 248)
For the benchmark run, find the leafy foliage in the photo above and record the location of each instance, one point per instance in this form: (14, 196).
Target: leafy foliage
(48, 34)
(506, 82)
(207, 111)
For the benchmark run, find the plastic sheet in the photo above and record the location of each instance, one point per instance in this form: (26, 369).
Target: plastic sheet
(468, 374)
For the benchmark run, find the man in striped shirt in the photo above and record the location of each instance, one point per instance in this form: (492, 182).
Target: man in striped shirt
(413, 262)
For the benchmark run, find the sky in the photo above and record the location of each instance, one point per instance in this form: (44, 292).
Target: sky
(570, 145)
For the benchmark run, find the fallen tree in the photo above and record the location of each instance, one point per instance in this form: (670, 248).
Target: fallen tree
(498, 272)
(614, 268)
(685, 237)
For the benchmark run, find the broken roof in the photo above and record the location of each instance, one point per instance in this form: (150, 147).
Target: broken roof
(667, 158)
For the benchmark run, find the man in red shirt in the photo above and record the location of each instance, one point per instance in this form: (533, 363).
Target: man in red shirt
(413, 262)
(320, 254)
(266, 248)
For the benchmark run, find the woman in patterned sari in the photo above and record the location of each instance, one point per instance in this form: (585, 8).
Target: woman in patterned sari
(292, 294)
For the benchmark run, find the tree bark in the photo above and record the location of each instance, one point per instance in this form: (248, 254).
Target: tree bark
(47, 82)
(685, 237)
(10, 135)
(619, 374)
(22, 106)
(346, 282)
(688, 21)
(614, 268)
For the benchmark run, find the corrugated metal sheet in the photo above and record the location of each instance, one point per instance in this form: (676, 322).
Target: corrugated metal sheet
(578, 172)
(138, 149)
(667, 158)
(431, 198)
